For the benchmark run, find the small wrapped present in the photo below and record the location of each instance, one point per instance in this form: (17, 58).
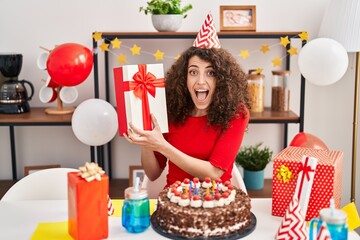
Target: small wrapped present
(140, 91)
(88, 203)
(326, 185)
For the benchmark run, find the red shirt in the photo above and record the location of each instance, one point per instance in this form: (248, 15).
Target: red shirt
(199, 140)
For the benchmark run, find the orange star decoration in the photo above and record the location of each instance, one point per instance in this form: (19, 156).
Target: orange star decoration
(292, 51)
(97, 36)
(304, 36)
(244, 54)
(258, 71)
(276, 62)
(104, 46)
(121, 59)
(284, 41)
(135, 50)
(158, 55)
(264, 48)
(116, 43)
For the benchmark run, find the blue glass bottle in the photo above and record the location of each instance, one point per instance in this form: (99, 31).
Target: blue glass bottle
(136, 210)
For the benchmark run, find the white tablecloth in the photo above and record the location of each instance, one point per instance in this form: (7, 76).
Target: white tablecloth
(19, 219)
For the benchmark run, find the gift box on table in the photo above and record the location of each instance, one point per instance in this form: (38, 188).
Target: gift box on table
(326, 185)
(140, 91)
(87, 207)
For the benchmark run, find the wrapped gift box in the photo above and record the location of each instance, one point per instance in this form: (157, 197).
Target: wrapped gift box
(140, 91)
(327, 180)
(87, 207)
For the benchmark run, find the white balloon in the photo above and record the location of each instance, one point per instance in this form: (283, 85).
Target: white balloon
(323, 61)
(94, 122)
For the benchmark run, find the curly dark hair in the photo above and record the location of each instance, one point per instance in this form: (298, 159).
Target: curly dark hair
(231, 92)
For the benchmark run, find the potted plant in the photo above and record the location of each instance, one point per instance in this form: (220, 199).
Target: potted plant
(166, 15)
(253, 159)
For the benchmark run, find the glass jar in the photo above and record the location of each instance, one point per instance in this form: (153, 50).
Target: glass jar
(336, 223)
(256, 89)
(136, 210)
(280, 93)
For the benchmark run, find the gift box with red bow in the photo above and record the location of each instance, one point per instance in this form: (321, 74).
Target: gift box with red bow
(326, 184)
(87, 207)
(140, 91)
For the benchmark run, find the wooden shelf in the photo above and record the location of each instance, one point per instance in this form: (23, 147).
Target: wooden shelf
(192, 35)
(268, 116)
(36, 117)
(266, 192)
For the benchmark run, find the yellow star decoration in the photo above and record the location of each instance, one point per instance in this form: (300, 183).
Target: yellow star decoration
(135, 50)
(258, 71)
(158, 55)
(244, 54)
(177, 56)
(292, 51)
(104, 46)
(304, 36)
(116, 43)
(276, 62)
(97, 36)
(264, 48)
(284, 41)
(121, 59)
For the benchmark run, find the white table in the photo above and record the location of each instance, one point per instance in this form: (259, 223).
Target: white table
(19, 219)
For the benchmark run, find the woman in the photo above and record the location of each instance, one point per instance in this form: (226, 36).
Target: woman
(207, 103)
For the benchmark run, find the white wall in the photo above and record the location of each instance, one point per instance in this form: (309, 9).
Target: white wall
(26, 25)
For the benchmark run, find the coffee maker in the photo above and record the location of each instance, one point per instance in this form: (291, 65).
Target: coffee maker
(13, 94)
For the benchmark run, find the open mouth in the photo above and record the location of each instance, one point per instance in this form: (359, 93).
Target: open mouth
(201, 94)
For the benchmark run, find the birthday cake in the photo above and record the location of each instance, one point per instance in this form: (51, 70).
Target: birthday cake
(202, 209)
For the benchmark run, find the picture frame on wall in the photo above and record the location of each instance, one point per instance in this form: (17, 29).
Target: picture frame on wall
(31, 169)
(237, 18)
(135, 171)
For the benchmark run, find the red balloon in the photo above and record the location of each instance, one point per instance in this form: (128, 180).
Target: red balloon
(308, 140)
(69, 64)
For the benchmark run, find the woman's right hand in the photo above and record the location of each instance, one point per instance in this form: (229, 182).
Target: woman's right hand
(152, 140)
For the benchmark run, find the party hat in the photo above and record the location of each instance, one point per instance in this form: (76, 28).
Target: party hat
(110, 206)
(293, 225)
(324, 233)
(207, 37)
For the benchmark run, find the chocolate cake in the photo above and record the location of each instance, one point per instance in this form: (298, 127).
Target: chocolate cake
(209, 209)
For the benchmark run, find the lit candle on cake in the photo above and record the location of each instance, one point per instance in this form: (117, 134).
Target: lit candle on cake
(196, 191)
(191, 185)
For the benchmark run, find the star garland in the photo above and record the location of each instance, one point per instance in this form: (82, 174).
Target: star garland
(159, 55)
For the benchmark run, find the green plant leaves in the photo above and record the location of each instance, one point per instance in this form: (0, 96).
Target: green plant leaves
(254, 158)
(165, 7)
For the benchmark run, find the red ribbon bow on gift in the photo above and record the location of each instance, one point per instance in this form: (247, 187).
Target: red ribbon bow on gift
(144, 82)
(306, 169)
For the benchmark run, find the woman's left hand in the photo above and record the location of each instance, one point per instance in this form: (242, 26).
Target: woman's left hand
(153, 139)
